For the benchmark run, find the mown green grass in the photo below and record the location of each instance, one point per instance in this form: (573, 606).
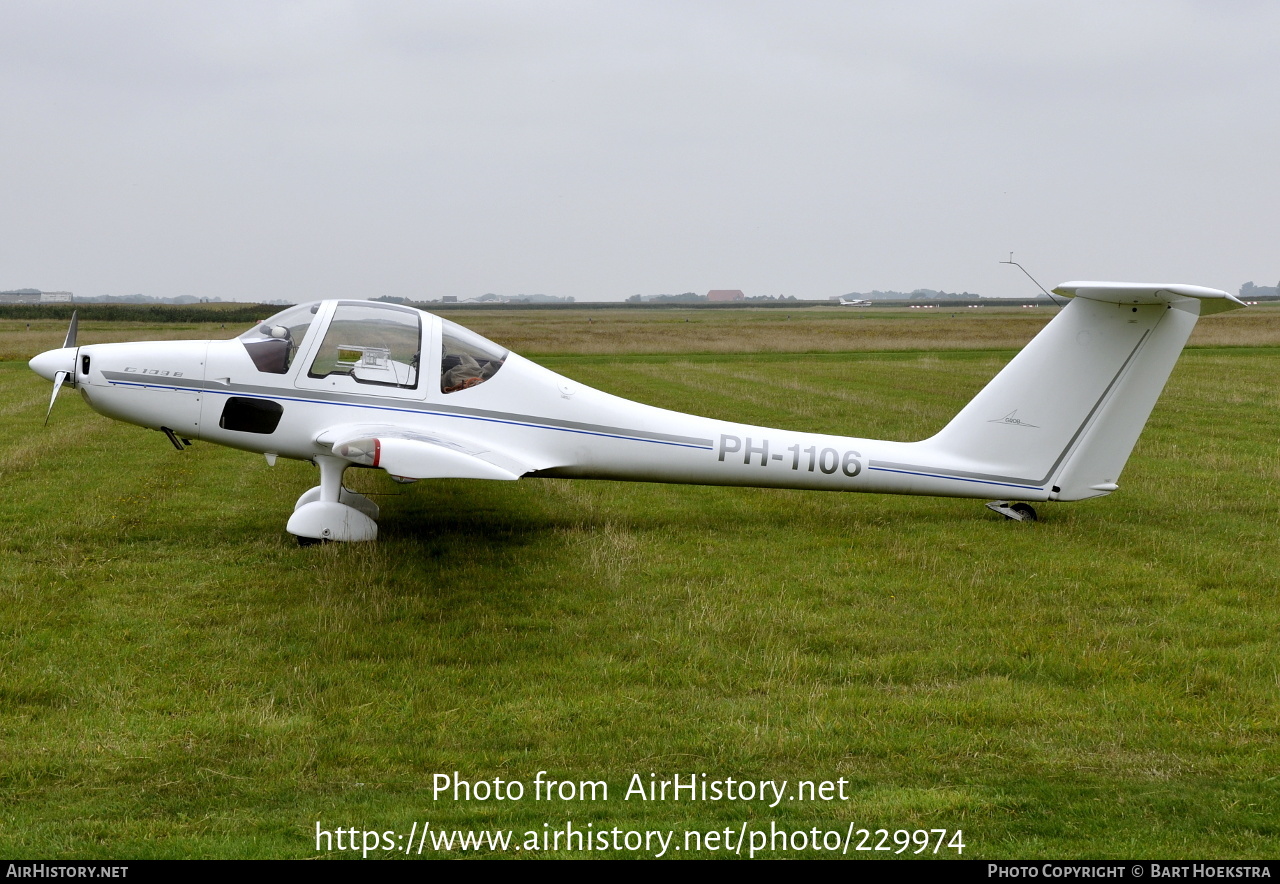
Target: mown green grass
(177, 678)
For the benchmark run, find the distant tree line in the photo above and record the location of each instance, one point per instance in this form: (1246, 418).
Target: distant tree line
(683, 298)
(1249, 290)
(916, 295)
(693, 298)
(241, 313)
(145, 299)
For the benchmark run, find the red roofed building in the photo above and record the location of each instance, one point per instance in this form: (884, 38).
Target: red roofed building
(726, 295)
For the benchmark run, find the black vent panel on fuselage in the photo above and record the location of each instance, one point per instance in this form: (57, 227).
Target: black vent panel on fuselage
(246, 415)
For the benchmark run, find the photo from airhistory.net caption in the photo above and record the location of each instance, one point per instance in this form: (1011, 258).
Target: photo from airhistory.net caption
(753, 836)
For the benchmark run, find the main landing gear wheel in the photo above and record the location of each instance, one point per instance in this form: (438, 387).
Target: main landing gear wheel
(330, 512)
(1018, 512)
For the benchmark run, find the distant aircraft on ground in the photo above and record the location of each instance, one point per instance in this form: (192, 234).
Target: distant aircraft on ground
(378, 385)
(854, 302)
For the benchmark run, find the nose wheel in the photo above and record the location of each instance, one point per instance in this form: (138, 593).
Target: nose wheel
(1019, 512)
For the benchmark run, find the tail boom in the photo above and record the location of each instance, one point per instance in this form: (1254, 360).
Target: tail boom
(1057, 423)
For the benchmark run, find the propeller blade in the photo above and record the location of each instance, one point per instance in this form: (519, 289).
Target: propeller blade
(57, 385)
(71, 331)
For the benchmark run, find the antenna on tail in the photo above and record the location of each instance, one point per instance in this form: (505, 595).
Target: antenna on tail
(1033, 279)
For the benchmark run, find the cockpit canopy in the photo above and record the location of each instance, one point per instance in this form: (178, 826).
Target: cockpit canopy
(373, 343)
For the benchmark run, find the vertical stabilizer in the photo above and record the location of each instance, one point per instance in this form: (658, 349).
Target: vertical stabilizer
(1066, 412)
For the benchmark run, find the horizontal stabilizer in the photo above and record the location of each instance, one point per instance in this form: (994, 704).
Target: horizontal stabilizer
(1137, 293)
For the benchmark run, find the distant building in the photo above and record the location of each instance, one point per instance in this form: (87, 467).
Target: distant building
(726, 295)
(34, 296)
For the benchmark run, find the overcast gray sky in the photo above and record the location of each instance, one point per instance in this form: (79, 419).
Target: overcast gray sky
(303, 150)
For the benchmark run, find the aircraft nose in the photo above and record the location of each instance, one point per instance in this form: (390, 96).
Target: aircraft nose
(50, 362)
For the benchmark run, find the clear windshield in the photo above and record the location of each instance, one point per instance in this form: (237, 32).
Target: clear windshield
(273, 342)
(371, 344)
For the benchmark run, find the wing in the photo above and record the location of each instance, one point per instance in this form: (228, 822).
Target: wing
(411, 455)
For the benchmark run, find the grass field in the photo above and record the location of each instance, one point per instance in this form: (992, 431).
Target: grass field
(177, 678)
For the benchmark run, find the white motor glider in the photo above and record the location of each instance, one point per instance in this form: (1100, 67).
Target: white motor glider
(360, 383)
